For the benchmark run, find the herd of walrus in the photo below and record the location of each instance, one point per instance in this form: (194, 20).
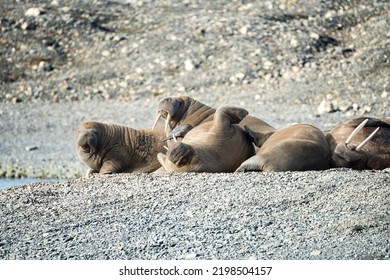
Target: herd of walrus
(199, 138)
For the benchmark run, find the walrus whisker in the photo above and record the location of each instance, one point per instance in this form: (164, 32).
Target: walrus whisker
(157, 119)
(356, 131)
(358, 148)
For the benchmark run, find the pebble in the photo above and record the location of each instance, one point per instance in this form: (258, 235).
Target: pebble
(32, 12)
(56, 2)
(118, 38)
(315, 253)
(44, 66)
(188, 65)
(326, 106)
(106, 53)
(243, 30)
(191, 256)
(28, 26)
(31, 148)
(355, 107)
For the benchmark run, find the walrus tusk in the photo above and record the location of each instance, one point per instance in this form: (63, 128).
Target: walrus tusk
(174, 137)
(157, 119)
(167, 122)
(165, 147)
(356, 130)
(358, 148)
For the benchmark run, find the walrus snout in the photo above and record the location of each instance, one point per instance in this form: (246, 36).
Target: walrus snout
(88, 141)
(169, 106)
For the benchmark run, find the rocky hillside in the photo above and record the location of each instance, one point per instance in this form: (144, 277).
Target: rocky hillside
(290, 51)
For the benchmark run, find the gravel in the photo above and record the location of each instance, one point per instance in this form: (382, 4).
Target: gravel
(334, 214)
(62, 62)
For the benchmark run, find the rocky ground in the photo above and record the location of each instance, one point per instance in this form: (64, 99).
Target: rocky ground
(286, 61)
(336, 214)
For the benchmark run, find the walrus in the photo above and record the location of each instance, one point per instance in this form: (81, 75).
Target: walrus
(361, 143)
(111, 148)
(182, 113)
(299, 147)
(219, 145)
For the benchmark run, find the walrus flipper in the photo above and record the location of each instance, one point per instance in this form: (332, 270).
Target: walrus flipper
(379, 162)
(251, 164)
(178, 132)
(225, 116)
(256, 137)
(180, 154)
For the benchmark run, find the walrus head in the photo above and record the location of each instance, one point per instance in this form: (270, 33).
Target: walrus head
(366, 147)
(182, 110)
(87, 141)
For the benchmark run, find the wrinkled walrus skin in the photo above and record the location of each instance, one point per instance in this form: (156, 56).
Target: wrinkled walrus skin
(214, 146)
(186, 113)
(110, 148)
(298, 147)
(374, 155)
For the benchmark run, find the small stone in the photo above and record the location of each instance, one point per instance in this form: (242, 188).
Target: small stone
(243, 30)
(267, 64)
(191, 256)
(105, 53)
(294, 43)
(326, 106)
(357, 228)
(328, 14)
(28, 26)
(240, 76)
(118, 38)
(44, 66)
(344, 107)
(65, 10)
(314, 35)
(355, 107)
(367, 109)
(188, 65)
(15, 100)
(33, 12)
(56, 2)
(31, 148)
(315, 253)
(171, 37)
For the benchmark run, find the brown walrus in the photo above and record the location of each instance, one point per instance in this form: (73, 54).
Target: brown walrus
(349, 148)
(110, 148)
(182, 113)
(213, 146)
(298, 147)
